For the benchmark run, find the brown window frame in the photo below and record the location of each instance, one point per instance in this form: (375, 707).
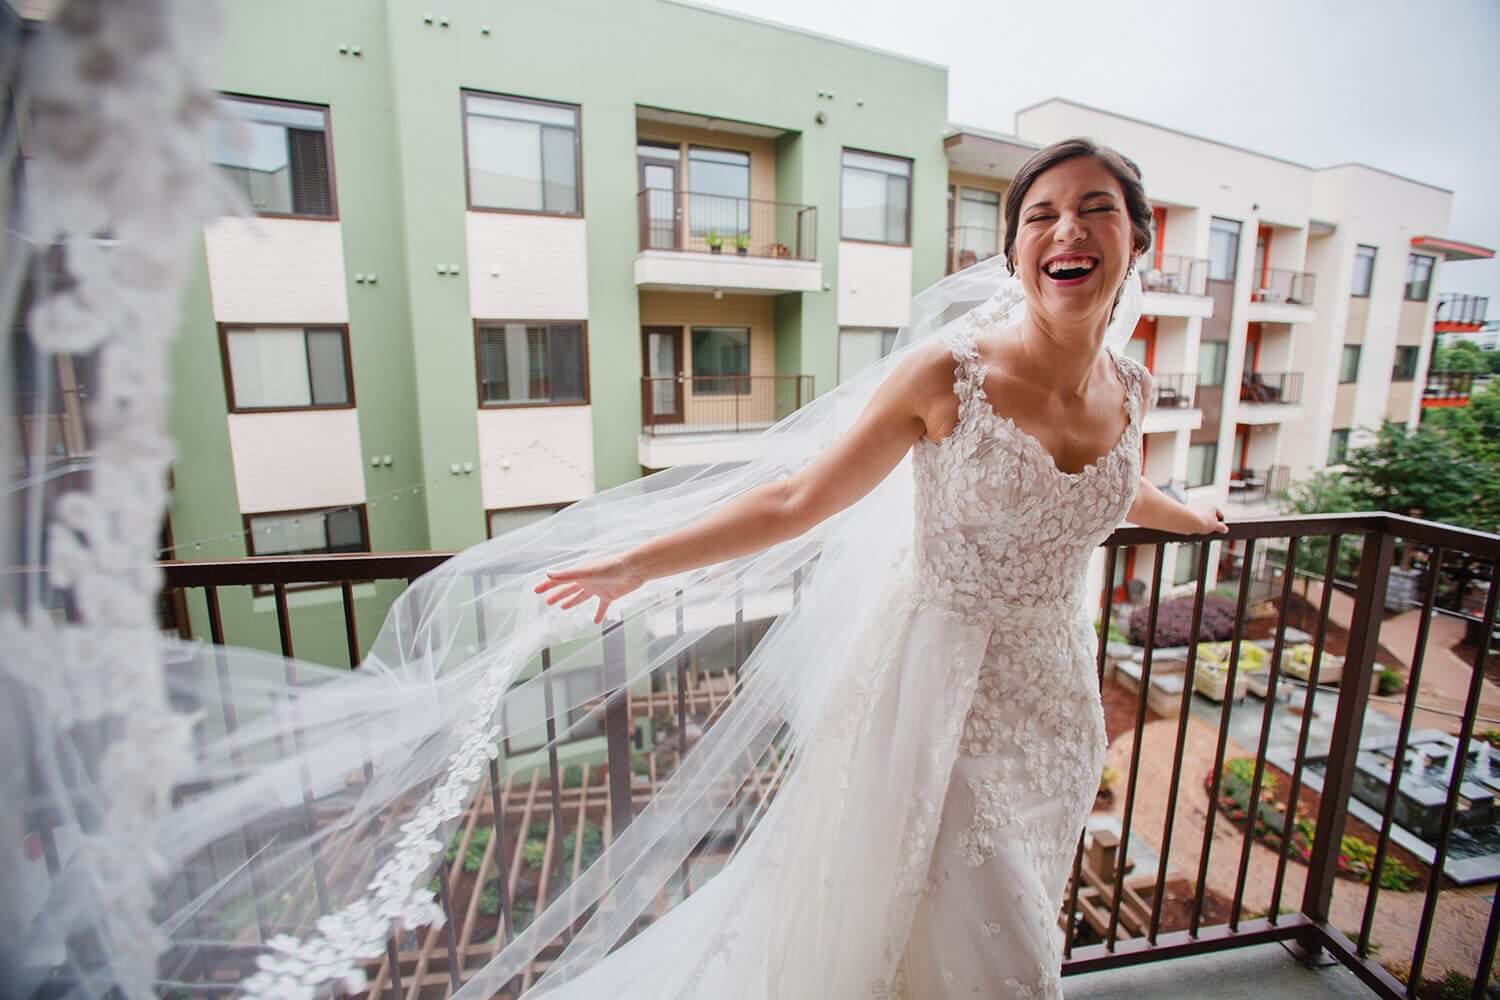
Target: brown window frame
(506, 405)
(553, 507)
(463, 117)
(263, 589)
(1370, 279)
(1397, 374)
(327, 112)
(226, 328)
(910, 182)
(1411, 259)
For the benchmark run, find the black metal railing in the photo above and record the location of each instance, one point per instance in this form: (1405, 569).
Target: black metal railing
(63, 429)
(1271, 387)
(704, 403)
(968, 245)
(1280, 286)
(1175, 390)
(1259, 485)
(726, 224)
(1469, 310)
(1210, 893)
(1176, 275)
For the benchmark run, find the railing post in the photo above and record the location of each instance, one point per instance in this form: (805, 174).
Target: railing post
(617, 726)
(1343, 748)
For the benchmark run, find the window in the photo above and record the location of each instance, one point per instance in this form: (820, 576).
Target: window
(1349, 363)
(526, 715)
(286, 367)
(306, 532)
(719, 186)
(531, 363)
(1185, 571)
(1364, 271)
(875, 197)
(721, 351)
(1201, 461)
(510, 518)
(522, 155)
(1418, 277)
(1405, 368)
(1338, 446)
(1213, 360)
(1223, 248)
(978, 236)
(862, 346)
(277, 154)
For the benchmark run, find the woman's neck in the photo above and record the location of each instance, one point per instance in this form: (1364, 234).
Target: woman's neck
(1062, 359)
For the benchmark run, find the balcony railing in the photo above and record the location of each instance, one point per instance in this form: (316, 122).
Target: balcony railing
(1192, 890)
(1271, 387)
(1448, 385)
(1259, 485)
(1176, 275)
(1175, 390)
(725, 224)
(968, 245)
(707, 403)
(1279, 286)
(1462, 309)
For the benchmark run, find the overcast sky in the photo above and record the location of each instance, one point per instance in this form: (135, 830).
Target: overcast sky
(1409, 87)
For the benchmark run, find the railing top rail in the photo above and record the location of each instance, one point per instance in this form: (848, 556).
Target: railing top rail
(726, 197)
(403, 565)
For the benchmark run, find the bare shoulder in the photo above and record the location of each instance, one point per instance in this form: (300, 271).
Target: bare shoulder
(925, 378)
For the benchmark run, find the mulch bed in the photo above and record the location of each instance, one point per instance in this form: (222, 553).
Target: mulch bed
(1303, 614)
(1308, 800)
(1119, 710)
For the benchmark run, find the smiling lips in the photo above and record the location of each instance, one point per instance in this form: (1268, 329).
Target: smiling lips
(1070, 269)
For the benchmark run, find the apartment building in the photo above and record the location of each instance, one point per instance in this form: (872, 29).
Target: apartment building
(506, 256)
(1286, 308)
(501, 259)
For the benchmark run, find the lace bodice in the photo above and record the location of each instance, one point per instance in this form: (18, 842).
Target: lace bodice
(997, 522)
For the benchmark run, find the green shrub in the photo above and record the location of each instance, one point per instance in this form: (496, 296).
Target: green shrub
(573, 776)
(532, 852)
(1388, 682)
(489, 900)
(593, 845)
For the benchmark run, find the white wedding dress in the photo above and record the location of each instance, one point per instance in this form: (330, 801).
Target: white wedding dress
(921, 847)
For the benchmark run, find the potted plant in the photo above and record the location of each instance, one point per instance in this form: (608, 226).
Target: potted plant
(779, 250)
(715, 241)
(742, 243)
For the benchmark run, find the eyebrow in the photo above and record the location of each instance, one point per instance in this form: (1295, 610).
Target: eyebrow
(1091, 194)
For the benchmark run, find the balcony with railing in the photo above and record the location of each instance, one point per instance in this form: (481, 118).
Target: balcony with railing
(1175, 286)
(692, 241)
(1259, 486)
(1168, 871)
(1450, 388)
(1269, 397)
(696, 418)
(1281, 295)
(1457, 313)
(1174, 403)
(968, 245)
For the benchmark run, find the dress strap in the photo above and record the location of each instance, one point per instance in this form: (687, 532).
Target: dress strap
(1134, 374)
(968, 372)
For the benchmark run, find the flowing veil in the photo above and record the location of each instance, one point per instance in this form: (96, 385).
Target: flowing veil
(203, 807)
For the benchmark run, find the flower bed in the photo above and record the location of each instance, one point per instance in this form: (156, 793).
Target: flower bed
(1356, 857)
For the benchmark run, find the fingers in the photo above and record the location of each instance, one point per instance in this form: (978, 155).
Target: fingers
(554, 577)
(578, 598)
(568, 590)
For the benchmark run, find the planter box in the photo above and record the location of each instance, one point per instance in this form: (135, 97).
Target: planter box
(1211, 683)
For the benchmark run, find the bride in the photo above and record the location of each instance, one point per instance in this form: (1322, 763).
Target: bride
(926, 850)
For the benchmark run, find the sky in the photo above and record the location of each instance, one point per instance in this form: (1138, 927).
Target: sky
(1410, 87)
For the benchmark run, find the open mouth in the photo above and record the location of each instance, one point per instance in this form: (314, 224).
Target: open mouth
(1072, 270)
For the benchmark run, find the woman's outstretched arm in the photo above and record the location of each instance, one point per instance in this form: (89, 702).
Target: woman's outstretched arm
(846, 470)
(1154, 509)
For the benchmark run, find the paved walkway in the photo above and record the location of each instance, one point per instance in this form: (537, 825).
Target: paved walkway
(1461, 913)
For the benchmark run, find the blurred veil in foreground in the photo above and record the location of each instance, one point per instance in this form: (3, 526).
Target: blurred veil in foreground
(224, 820)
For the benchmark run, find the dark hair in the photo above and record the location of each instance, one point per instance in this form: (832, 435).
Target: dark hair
(1122, 167)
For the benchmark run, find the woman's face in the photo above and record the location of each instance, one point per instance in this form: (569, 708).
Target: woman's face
(1073, 242)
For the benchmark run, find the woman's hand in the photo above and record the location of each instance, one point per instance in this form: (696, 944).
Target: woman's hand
(607, 579)
(1211, 522)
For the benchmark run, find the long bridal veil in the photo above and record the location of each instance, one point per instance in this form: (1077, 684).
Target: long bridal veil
(213, 818)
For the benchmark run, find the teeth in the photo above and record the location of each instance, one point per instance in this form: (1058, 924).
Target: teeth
(1070, 263)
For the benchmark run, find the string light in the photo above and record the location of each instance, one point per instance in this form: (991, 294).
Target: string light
(390, 495)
